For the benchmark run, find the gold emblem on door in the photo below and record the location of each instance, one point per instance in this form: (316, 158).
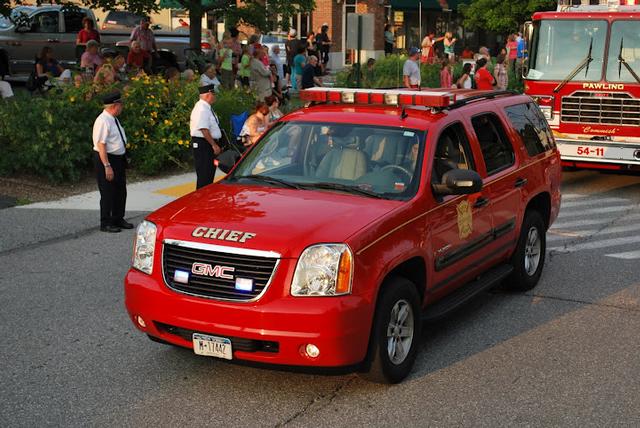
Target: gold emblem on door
(465, 219)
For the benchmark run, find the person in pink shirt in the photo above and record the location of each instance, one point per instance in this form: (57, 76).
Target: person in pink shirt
(91, 58)
(445, 74)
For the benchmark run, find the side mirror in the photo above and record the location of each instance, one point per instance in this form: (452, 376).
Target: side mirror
(459, 182)
(528, 37)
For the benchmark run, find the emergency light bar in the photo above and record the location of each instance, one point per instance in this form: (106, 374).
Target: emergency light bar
(392, 97)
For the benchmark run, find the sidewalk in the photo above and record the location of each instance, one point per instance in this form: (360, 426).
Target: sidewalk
(142, 196)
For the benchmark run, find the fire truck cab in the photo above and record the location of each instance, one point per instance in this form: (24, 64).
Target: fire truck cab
(583, 71)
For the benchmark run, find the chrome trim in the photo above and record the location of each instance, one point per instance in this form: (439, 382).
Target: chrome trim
(585, 108)
(223, 249)
(220, 249)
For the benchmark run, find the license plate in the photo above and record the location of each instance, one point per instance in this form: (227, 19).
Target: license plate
(596, 152)
(212, 346)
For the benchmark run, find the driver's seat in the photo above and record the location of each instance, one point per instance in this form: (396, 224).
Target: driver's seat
(343, 164)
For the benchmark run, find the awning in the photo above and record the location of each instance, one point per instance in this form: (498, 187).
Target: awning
(427, 4)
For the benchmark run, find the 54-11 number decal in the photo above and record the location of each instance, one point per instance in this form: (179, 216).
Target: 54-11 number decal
(590, 151)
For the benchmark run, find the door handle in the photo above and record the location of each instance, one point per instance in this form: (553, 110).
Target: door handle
(481, 202)
(53, 41)
(521, 182)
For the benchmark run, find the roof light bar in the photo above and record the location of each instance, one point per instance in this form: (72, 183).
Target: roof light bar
(393, 97)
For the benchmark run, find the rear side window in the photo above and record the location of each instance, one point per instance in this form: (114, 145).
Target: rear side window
(73, 21)
(532, 127)
(46, 22)
(494, 143)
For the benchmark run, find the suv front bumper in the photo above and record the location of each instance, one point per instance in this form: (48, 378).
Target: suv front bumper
(273, 330)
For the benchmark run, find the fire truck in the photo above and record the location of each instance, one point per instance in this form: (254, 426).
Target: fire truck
(583, 70)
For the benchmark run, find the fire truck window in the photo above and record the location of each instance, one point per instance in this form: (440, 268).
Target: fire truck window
(532, 127)
(562, 45)
(494, 143)
(625, 35)
(452, 152)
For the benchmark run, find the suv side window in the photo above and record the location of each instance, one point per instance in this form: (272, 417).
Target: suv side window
(532, 127)
(73, 21)
(495, 145)
(452, 152)
(46, 22)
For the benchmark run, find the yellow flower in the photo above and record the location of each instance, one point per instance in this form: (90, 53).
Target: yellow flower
(179, 142)
(150, 104)
(128, 146)
(152, 96)
(164, 140)
(72, 99)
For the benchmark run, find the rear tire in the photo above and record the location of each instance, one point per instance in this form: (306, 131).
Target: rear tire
(528, 259)
(396, 332)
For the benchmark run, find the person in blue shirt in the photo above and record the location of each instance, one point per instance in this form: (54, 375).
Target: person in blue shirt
(299, 61)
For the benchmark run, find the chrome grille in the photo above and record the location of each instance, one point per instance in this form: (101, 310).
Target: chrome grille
(182, 256)
(612, 109)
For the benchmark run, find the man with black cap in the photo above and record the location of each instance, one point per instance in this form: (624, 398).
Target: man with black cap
(205, 130)
(109, 142)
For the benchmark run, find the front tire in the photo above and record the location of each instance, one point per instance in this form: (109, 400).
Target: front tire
(396, 332)
(528, 259)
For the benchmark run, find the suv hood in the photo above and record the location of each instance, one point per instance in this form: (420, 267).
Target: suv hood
(285, 221)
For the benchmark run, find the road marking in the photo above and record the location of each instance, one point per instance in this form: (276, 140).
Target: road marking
(602, 210)
(560, 235)
(591, 201)
(591, 222)
(573, 196)
(629, 255)
(604, 243)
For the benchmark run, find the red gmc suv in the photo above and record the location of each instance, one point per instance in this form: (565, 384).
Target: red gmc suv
(349, 224)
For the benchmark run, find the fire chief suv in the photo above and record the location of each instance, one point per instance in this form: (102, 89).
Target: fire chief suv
(347, 226)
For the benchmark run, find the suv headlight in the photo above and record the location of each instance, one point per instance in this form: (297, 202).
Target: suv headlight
(144, 247)
(323, 270)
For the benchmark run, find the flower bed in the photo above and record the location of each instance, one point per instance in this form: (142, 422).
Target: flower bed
(50, 136)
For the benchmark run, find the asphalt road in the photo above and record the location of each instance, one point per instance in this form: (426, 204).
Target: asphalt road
(567, 353)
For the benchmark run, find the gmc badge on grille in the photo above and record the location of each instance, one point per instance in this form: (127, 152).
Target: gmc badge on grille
(210, 270)
(222, 234)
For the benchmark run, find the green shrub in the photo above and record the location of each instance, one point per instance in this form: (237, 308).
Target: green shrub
(50, 136)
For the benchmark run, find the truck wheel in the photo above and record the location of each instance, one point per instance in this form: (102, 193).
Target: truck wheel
(396, 332)
(528, 259)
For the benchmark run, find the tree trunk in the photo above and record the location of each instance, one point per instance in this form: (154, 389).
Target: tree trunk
(195, 27)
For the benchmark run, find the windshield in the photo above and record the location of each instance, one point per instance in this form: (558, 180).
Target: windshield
(627, 33)
(271, 38)
(378, 161)
(559, 46)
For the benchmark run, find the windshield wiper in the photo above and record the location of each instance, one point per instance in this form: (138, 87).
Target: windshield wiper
(269, 179)
(584, 63)
(343, 188)
(622, 61)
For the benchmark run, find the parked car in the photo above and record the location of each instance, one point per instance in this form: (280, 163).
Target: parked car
(29, 28)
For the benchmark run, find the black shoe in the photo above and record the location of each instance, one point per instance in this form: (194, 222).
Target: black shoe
(110, 229)
(123, 224)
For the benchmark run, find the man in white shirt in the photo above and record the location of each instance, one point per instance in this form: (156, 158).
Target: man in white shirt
(275, 59)
(109, 146)
(411, 70)
(205, 130)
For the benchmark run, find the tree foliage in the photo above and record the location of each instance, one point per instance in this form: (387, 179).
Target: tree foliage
(260, 14)
(501, 16)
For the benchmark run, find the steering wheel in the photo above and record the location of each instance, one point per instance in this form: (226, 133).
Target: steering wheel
(398, 167)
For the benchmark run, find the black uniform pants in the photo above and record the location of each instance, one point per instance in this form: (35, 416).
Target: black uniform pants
(113, 194)
(203, 161)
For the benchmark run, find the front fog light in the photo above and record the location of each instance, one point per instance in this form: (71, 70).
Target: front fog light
(144, 247)
(323, 270)
(311, 350)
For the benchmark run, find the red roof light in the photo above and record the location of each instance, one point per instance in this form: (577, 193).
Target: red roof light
(396, 97)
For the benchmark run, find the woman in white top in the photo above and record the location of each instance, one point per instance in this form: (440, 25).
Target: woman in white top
(209, 77)
(274, 111)
(464, 81)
